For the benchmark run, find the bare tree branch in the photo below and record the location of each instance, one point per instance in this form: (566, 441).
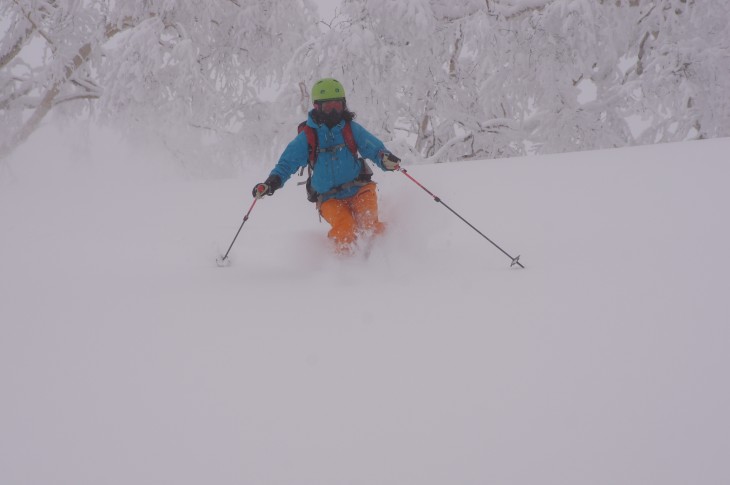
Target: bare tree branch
(4, 103)
(34, 25)
(457, 52)
(17, 47)
(75, 97)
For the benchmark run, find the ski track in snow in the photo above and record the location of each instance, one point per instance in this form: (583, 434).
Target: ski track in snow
(128, 357)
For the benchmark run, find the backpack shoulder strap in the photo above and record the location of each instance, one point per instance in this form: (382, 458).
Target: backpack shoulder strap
(312, 142)
(350, 139)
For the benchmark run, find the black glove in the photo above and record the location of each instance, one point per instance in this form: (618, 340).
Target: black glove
(390, 161)
(268, 187)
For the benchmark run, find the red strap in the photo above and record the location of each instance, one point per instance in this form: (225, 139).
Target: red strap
(311, 141)
(349, 139)
(311, 135)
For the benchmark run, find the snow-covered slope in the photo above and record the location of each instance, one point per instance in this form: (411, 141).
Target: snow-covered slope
(128, 357)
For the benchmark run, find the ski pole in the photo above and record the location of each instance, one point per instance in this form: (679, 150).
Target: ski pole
(515, 261)
(223, 260)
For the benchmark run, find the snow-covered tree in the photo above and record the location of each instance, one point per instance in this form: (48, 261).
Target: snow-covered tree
(186, 72)
(399, 62)
(544, 54)
(441, 79)
(192, 72)
(682, 69)
(67, 32)
(471, 79)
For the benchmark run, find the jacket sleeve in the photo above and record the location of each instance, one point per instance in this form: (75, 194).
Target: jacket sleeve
(295, 156)
(368, 144)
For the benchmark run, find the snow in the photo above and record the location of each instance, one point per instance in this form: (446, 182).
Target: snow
(128, 357)
(327, 8)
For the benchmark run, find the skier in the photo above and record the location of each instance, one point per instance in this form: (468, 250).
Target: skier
(340, 181)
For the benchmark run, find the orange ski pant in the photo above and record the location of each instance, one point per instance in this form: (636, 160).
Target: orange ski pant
(350, 216)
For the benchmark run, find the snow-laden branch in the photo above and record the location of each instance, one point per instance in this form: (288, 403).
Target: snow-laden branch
(46, 103)
(516, 8)
(17, 46)
(49, 99)
(437, 157)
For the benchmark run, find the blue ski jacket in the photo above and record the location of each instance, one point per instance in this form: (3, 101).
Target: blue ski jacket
(335, 163)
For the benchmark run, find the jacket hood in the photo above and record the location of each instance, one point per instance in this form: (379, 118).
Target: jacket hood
(311, 122)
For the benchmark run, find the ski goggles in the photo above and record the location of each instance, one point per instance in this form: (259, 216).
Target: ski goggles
(331, 105)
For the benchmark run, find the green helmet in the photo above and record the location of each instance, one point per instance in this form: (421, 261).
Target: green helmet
(327, 88)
